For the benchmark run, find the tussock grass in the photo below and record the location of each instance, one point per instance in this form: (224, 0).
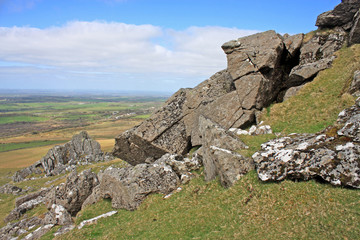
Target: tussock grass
(249, 210)
(318, 104)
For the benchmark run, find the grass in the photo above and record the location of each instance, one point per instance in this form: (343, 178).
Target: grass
(249, 210)
(4, 147)
(254, 143)
(318, 103)
(143, 116)
(5, 119)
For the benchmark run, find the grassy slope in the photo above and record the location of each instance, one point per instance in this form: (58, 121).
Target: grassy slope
(248, 210)
(318, 104)
(252, 209)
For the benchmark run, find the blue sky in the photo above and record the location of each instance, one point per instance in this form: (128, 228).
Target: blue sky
(155, 45)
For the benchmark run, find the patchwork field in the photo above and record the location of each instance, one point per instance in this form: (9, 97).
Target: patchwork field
(31, 125)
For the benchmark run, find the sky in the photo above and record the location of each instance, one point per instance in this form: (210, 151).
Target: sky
(133, 45)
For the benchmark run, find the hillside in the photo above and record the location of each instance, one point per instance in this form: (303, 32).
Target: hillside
(268, 148)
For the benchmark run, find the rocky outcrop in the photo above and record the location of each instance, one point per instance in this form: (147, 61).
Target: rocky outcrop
(230, 98)
(354, 36)
(341, 16)
(133, 184)
(10, 189)
(13, 230)
(26, 203)
(74, 192)
(35, 169)
(219, 153)
(315, 56)
(334, 157)
(80, 150)
(128, 187)
(39, 232)
(261, 68)
(344, 17)
(57, 215)
(355, 84)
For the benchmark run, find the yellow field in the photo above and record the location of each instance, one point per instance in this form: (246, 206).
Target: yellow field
(104, 133)
(23, 157)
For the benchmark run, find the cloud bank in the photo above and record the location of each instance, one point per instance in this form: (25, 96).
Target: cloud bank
(111, 55)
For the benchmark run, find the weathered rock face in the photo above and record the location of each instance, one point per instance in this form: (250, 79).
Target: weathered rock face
(26, 203)
(20, 175)
(74, 192)
(12, 230)
(230, 98)
(10, 189)
(255, 53)
(219, 154)
(128, 187)
(354, 36)
(57, 215)
(315, 56)
(333, 158)
(80, 150)
(355, 84)
(170, 129)
(261, 68)
(341, 16)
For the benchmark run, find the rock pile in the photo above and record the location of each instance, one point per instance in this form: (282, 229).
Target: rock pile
(80, 150)
(128, 187)
(262, 68)
(344, 17)
(333, 156)
(10, 189)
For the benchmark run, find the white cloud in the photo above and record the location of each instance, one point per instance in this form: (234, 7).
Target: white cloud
(144, 53)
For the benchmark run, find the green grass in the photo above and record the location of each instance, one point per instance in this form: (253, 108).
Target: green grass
(4, 147)
(254, 143)
(318, 104)
(143, 116)
(249, 210)
(4, 119)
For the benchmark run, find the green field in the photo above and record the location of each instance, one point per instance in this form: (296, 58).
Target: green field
(4, 147)
(20, 114)
(17, 109)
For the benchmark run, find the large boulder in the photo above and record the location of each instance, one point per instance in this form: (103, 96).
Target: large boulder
(255, 53)
(82, 149)
(230, 98)
(316, 55)
(57, 215)
(74, 192)
(355, 83)
(128, 187)
(332, 157)
(354, 36)
(341, 16)
(172, 129)
(220, 157)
